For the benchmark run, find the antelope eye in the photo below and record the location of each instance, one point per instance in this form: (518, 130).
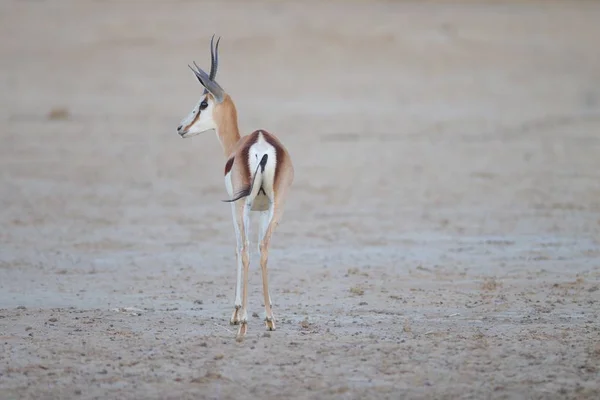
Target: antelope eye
(203, 105)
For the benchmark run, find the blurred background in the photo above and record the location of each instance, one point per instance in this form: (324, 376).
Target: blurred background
(402, 117)
(407, 122)
(455, 137)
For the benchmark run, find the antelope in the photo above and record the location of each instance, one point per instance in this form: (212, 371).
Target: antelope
(258, 175)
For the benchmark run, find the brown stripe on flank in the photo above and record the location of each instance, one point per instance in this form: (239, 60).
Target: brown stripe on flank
(229, 165)
(279, 154)
(245, 152)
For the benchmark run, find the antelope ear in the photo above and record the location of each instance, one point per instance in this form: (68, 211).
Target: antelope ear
(213, 87)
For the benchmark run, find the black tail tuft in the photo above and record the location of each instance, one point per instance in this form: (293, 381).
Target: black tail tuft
(241, 194)
(247, 190)
(263, 162)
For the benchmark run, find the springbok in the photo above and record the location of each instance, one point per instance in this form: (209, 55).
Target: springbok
(258, 175)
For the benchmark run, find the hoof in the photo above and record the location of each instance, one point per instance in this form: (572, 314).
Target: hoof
(235, 318)
(270, 322)
(242, 331)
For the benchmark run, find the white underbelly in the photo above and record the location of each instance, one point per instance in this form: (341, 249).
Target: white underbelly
(261, 202)
(228, 185)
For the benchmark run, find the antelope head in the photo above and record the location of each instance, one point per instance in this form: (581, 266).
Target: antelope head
(200, 119)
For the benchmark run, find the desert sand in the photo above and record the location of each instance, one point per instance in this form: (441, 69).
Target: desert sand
(441, 239)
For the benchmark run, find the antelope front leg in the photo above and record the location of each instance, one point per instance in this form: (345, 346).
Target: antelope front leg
(265, 218)
(267, 225)
(235, 317)
(243, 321)
(242, 211)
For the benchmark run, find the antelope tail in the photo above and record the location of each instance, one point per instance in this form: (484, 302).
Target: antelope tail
(248, 189)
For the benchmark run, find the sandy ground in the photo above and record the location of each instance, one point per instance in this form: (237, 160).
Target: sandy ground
(443, 235)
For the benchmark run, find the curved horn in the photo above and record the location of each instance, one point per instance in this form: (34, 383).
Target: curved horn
(214, 58)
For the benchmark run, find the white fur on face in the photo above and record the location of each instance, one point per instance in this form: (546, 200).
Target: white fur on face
(199, 121)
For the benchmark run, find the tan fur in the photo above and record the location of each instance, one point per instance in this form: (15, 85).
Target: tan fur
(236, 150)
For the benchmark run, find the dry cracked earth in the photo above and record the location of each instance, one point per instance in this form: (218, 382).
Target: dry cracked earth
(442, 237)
